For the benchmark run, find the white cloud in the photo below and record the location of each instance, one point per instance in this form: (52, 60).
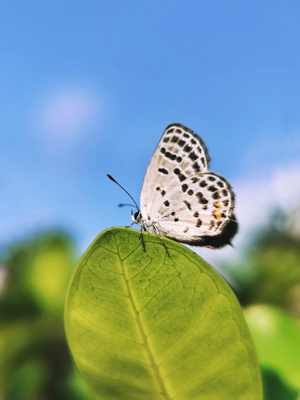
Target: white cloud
(66, 115)
(257, 199)
(286, 186)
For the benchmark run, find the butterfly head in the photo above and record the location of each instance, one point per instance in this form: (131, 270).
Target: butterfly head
(136, 217)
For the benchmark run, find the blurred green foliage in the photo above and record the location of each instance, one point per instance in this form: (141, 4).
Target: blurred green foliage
(35, 361)
(269, 271)
(277, 340)
(267, 283)
(34, 357)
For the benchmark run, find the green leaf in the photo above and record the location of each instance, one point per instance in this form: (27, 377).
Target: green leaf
(147, 324)
(49, 271)
(275, 388)
(277, 339)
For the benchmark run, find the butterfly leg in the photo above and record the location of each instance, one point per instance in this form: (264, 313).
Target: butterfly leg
(141, 237)
(157, 232)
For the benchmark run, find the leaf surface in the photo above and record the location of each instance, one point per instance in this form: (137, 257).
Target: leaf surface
(156, 324)
(277, 339)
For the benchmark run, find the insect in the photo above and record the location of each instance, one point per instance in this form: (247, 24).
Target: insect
(180, 198)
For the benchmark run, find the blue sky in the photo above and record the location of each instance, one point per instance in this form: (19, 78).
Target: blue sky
(87, 88)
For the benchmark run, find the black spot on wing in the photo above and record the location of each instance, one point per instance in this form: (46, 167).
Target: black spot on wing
(187, 148)
(163, 171)
(170, 155)
(184, 187)
(224, 192)
(198, 223)
(193, 156)
(212, 188)
(196, 167)
(212, 224)
(187, 204)
(201, 198)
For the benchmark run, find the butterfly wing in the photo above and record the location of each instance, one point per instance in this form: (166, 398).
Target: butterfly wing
(180, 153)
(181, 197)
(200, 212)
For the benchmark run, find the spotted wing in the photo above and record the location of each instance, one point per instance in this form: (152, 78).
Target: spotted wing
(199, 211)
(181, 197)
(179, 154)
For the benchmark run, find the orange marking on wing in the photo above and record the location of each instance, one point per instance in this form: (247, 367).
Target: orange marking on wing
(217, 214)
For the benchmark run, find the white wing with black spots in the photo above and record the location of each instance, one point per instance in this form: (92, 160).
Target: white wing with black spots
(179, 154)
(183, 200)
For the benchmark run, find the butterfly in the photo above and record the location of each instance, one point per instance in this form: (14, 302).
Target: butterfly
(180, 198)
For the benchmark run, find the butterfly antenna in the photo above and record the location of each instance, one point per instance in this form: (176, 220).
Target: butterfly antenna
(112, 179)
(124, 205)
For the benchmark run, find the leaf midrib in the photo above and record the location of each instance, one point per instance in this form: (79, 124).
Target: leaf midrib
(149, 353)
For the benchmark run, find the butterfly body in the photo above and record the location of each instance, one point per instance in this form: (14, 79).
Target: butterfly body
(183, 200)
